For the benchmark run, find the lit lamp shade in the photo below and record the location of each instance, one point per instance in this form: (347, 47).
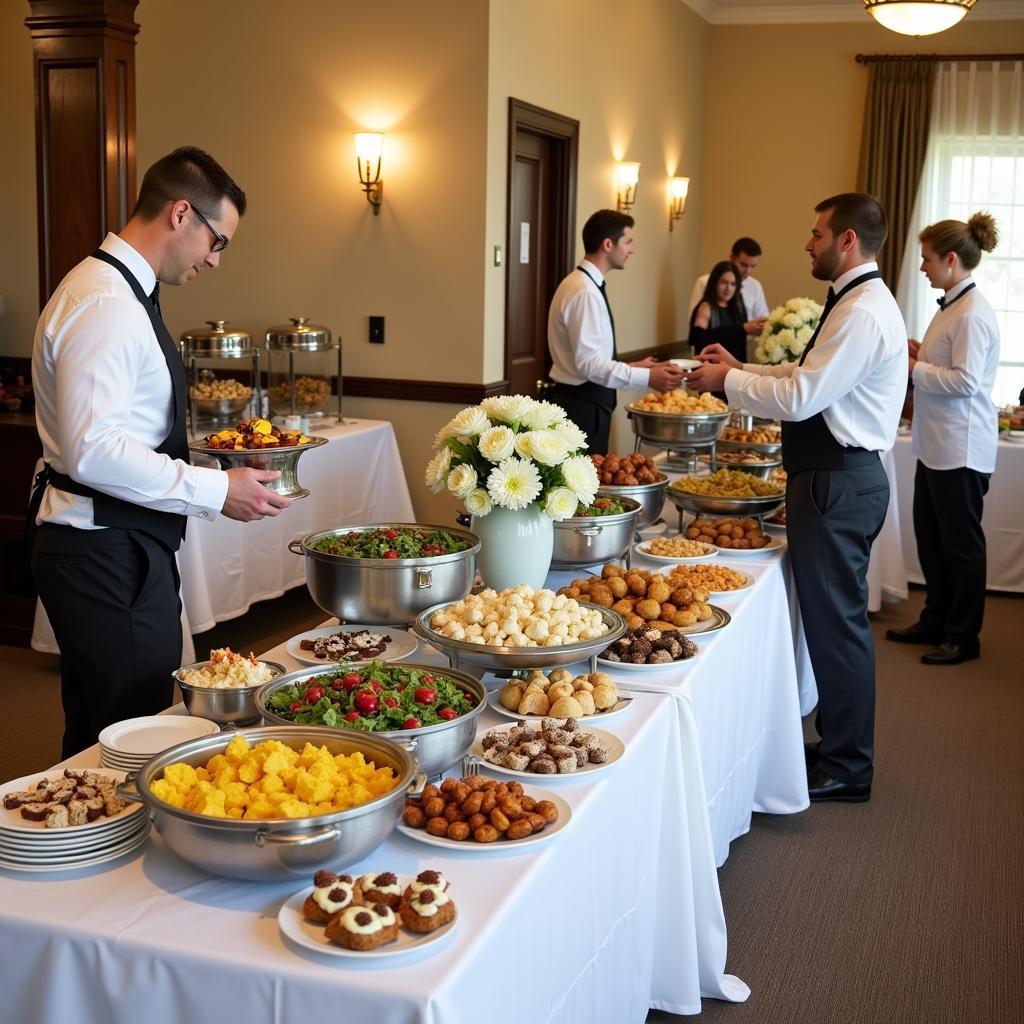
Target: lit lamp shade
(627, 175)
(918, 17)
(678, 188)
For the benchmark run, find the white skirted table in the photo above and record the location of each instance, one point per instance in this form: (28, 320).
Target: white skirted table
(1002, 521)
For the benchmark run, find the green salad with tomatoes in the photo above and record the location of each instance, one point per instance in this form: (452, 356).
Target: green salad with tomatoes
(602, 506)
(373, 698)
(392, 542)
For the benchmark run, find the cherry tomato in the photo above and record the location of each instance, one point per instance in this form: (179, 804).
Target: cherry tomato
(427, 678)
(390, 702)
(447, 714)
(424, 695)
(295, 705)
(390, 534)
(366, 702)
(338, 684)
(352, 716)
(411, 723)
(313, 694)
(375, 686)
(391, 553)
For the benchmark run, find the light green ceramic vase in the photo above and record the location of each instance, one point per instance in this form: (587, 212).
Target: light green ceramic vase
(515, 547)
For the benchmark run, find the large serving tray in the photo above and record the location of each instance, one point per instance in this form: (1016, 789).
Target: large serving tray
(680, 429)
(518, 659)
(749, 446)
(708, 505)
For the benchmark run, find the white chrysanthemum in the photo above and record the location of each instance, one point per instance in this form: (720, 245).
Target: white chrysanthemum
(514, 484)
(579, 474)
(811, 312)
(546, 447)
(759, 354)
(543, 415)
(561, 504)
(785, 337)
(497, 443)
(470, 422)
(793, 305)
(793, 320)
(437, 470)
(508, 408)
(478, 502)
(572, 437)
(462, 480)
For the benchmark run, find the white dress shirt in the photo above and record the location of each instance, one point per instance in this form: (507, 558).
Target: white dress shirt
(753, 296)
(104, 399)
(580, 335)
(856, 374)
(955, 422)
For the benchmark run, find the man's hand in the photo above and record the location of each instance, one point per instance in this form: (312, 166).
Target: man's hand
(711, 376)
(248, 499)
(664, 376)
(755, 326)
(913, 347)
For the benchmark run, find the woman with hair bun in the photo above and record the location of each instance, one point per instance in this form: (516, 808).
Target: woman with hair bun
(953, 371)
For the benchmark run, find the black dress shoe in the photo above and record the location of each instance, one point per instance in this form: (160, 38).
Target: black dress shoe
(821, 787)
(812, 751)
(949, 654)
(915, 634)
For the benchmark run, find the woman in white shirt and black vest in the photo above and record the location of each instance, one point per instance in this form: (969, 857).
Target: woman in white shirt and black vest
(953, 371)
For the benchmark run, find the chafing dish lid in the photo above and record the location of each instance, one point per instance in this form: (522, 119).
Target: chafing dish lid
(217, 340)
(298, 335)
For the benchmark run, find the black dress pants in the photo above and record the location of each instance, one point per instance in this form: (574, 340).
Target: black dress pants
(951, 550)
(594, 419)
(112, 599)
(833, 519)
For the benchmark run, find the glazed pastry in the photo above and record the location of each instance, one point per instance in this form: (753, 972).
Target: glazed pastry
(382, 888)
(330, 896)
(363, 927)
(427, 910)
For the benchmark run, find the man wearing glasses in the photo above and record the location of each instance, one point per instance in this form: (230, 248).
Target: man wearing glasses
(110, 507)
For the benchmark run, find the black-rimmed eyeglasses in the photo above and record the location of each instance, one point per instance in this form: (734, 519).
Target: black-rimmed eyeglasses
(220, 242)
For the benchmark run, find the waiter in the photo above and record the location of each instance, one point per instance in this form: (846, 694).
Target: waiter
(111, 503)
(840, 406)
(585, 367)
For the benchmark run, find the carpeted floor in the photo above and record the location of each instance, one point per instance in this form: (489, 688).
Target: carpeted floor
(906, 910)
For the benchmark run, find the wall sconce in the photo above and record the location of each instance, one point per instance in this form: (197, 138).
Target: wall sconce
(368, 150)
(626, 177)
(678, 189)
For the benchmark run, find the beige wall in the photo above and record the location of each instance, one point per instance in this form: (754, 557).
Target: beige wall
(785, 106)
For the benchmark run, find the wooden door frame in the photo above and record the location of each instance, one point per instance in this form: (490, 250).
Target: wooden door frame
(566, 132)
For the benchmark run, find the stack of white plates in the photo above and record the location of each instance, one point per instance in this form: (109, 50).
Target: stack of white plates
(31, 846)
(128, 745)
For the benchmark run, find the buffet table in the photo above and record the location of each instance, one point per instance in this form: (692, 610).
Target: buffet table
(226, 566)
(1003, 519)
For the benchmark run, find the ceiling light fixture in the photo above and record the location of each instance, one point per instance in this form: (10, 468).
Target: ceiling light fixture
(918, 17)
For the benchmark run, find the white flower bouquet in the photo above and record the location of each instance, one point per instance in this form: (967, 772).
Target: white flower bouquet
(511, 452)
(786, 331)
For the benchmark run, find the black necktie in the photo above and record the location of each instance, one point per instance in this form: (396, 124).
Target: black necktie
(830, 301)
(154, 298)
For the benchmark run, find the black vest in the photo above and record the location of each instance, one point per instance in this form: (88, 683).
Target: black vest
(166, 527)
(809, 444)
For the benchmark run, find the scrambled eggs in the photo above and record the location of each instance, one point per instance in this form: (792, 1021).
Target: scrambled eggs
(273, 781)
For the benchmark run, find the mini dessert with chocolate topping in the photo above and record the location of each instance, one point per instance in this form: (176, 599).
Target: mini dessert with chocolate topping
(427, 910)
(363, 927)
(382, 888)
(426, 880)
(330, 896)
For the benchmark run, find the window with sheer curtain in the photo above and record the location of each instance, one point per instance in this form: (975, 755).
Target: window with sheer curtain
(975, 161)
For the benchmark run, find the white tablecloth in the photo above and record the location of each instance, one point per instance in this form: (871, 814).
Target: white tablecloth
(226, 566)
(621, 911)
(1003, 519)
(887, 576)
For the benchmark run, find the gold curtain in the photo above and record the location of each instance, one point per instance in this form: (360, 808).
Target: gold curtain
(892, 148)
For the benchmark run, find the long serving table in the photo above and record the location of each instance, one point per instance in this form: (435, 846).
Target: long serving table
(226, 566)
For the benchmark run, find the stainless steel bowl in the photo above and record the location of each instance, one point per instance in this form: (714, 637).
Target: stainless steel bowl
(284, 459)
(223, 705)
(749, 446)
(437, 747)
(222, 408)
(650, 496)
(385, 592)
(678, 429)
(518, 659)
(593, 540)
(705, 504)
(267, 851)
(762, 470)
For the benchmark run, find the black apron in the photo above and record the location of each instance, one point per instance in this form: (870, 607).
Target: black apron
(809, 444)
(166, 527)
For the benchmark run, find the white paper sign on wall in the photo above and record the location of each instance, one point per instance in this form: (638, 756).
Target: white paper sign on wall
(524, 242)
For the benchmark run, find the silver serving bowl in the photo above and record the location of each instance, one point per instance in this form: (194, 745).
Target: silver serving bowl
(268, 851)
(284, 459)
(679, 429)
(221, 704)
(762, 470)
(385, 592)
(518, 659)
(703, 503)
(436, 747)
(222, 408)
(651, 498)
(749, 446)
(593, 540)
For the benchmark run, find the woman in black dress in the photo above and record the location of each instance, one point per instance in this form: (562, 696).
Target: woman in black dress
(720, 315)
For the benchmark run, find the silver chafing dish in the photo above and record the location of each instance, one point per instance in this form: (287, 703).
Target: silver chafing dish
(703, 504)
(592, 540)
(677, 430)
(436, 747)
(267, 851)
(385, 592)
(651, 498)
(301, 360)
(210, 345)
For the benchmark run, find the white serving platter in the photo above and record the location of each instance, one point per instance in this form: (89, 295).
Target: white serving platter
(494, 699)
(611, 743)
(13, 824)
(644, 549)
(402, 644)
